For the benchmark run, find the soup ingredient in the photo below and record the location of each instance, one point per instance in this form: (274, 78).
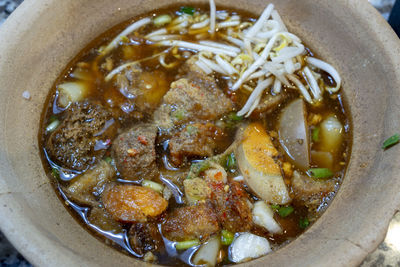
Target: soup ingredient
(187, 244)
(304, 223)
(293, 134)
(227, 237)
(260, 171)
(153, 185)
(196, 189)
(331, 135)
(322, 159)
(248, 246)
(131, 203)
(145, 237)
(162, 20)
(191, 222)
(71, 92)
(208, 252)
(285, 211)
(134, 152)
(394, 139)
(320, 172)
(263, 216)
(52, 126)
(329, 69)
(310, 192)
(82, 137)
(84, 188)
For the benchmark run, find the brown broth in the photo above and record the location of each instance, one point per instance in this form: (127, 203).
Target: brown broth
(109, 96)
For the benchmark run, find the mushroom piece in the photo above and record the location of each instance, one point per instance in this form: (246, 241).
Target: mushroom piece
(260, 171)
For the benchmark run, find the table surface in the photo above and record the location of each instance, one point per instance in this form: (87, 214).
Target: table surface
(387, 254)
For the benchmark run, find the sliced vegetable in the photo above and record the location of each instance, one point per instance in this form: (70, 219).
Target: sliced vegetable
(320, 172)
(153, 185)
(260, 171)
(162, 20)
(263, 216)
(293, 134)
(248, 246)
(331, 135)
(234, 117)
(231, 162)
(285, 211)
(197, 168)
(70, 92)
(187, 10)
(315, 134)
(186, 244)
(208, 252)
(227, 237)
(52, 126)
(394, 139)
(304, 223)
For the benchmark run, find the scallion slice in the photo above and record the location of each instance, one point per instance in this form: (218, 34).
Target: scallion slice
(186, 244)
(315, 134)
(304, 223)
(394, 139)
(320, 172)
(187, 10)
(285, 211)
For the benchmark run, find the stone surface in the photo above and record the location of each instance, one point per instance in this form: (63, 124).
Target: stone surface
(387, 254)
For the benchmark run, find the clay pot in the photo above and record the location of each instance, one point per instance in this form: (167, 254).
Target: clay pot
(42, 36)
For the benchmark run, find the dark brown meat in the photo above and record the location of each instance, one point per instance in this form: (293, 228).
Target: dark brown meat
(134, 152)
(143, 89)
(232, 207)
(145, 237)
(269, 103)
(194, 140)
(310, 192)
(83, 136)
(198, 221)
(101, 218)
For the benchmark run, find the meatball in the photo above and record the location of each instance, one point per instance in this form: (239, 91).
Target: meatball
(135, 154)
(83, 136)
(145, 237)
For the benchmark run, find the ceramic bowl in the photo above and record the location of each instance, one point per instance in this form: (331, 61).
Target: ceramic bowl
(42, 36)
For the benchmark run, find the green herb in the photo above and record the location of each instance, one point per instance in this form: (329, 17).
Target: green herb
(55, 172)
(108, 160)
(227, 237)
(187, 10)
(197, 168)
(315, 134)
(231, 162)
(285, 211)
(304, 223)
(275, 207)
(190, 129)
(234, 117)
(52, 118)
(320, 172)
(186, 244)
(391, 141)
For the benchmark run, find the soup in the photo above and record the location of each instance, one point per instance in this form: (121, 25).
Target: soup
(192, 135)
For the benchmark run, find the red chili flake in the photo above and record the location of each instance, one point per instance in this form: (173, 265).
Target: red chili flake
(142, 139)
(224, 214)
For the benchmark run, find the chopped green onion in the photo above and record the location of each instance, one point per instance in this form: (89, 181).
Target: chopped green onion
(320, 172)
(234, 117)
(227, 237)
(55, 172)
(190, 129)
(186, 244)
(231, 162)
(304, 223)
(108, 160)
(285, 211)
(197, 168)
(187, 10)
(153, 185)
(162, 20)
(179, 114)
(391, 141)
(275, 207)
(125, 39)
(315, 134)
(52, 126)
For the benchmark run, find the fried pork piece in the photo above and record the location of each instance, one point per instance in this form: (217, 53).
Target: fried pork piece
(86, 187)
(132, 203)
(190, 222)
(230, 202)
(310, 192)
(195, 140)
(145, 237)
(83, 136)
(135, 154)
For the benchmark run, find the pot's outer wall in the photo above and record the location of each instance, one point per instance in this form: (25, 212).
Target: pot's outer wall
(42, 36)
